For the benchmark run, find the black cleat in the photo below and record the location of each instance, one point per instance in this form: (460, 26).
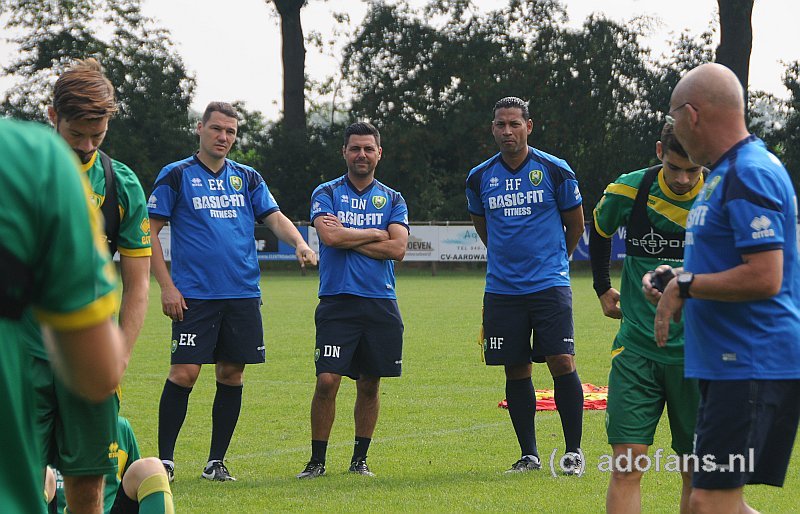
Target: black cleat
(525, 464)
(170, 469)
(360, 467)
(312, 470)
(216, 471)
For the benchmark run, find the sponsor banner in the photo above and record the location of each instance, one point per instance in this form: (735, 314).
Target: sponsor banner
(423, 243)
(460, 244)
(426, 243)
(270, 248)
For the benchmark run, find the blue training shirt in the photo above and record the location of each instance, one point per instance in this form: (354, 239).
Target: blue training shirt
(747, 205)
(212, 217)
(527, 250)
(347, 271)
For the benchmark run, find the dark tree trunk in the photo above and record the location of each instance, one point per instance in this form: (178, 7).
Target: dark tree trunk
(736, 37)
(294, 62)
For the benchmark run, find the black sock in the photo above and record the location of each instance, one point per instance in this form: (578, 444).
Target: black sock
(569, 402)
(318, 451)
(224, 416)
(171, 413)
(521, 399)
(360, 448)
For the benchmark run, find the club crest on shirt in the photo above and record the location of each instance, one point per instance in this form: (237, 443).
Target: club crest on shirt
(316, 355)
(236, 182)
(96, 200)
(379, 201)
(536, 177)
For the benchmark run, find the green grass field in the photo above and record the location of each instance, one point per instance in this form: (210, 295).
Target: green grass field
(441, 444)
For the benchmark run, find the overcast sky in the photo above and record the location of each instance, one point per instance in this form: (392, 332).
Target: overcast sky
(233, 48)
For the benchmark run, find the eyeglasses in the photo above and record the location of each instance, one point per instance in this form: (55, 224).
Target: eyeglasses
(669, 119)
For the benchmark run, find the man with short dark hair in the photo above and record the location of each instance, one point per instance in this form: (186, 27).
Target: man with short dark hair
(652, 205)
(213, 296)
(363, 227)
(740, 293)
(526, 208)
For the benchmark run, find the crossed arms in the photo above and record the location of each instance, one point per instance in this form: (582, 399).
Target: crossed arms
(372, 242)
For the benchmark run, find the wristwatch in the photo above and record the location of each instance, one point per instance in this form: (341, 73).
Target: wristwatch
(685, 279)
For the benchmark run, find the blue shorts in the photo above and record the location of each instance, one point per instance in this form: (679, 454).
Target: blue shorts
(509, 320)
(358, 336)
(219, 330)
(747, 429)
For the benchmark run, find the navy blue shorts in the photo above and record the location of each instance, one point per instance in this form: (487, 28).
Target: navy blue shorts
(358, 336)
(509, 321)
(745, 432)
(219, 330)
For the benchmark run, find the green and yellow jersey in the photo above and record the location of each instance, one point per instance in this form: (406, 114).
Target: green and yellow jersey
(134, 226)
(57, 269)
(666, 211)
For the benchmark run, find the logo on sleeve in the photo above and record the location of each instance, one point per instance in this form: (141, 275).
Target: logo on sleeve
(379, 201)
(144, 226)
(577, 193)
(152, 202)
(316, 208)
(760, 225)
(536, 177)
(709, 187)
(236, 182)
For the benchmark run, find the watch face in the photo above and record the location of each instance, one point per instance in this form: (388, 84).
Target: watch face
(685, 277)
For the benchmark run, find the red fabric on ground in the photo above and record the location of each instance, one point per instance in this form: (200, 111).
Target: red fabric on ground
(594, 398)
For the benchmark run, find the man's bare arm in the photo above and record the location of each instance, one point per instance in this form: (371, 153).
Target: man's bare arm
(135, 273)
(393, 248)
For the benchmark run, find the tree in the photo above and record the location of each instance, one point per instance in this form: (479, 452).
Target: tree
(790, 133)
(293, 56)
(736, 37)
(153, 87)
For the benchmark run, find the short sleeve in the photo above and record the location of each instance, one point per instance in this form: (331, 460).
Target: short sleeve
(134, 229)
(756, 211)
(321, 202)
(75, 279)
(399, 212)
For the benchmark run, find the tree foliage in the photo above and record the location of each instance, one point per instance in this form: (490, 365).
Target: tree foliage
(597, 97)
(153, 87)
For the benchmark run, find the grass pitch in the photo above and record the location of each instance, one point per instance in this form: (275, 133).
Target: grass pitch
(441, 444)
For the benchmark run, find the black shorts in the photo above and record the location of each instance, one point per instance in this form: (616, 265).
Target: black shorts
(745, 432)
(358, 336)
(509, 320)
(219, 330)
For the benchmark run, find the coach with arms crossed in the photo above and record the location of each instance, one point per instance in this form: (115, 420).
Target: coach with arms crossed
(740, 293)
(213, 296)
(363, 227)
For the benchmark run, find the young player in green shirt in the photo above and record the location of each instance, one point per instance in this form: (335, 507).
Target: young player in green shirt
(652, 204)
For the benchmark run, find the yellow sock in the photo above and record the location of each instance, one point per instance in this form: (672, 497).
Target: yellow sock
(155, 496)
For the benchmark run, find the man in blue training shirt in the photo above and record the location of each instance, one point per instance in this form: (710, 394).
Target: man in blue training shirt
(740, 293)
(362, 226)
(213, 296)
(520, 201)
